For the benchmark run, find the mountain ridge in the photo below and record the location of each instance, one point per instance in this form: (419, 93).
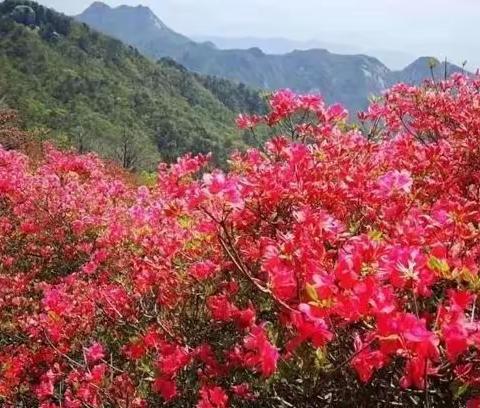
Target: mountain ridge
(346, 78)
(392, 58)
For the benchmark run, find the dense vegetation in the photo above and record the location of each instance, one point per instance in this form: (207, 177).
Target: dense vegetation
(335, 266)
(98, 94)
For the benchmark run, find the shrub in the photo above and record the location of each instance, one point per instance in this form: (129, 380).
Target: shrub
(335, 266)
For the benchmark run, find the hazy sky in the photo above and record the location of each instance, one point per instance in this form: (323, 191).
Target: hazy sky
(444, 28)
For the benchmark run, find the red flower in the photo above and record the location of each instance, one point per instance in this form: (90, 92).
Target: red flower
(261, 354)
(203, 270)
(167, 388)
(367, 361)
(46, 387)
(247, 121)
(173, 359)
(456, 340)
(29, 227)
(212, 397)
(395, 181)
(473, 403)
(281, 274)
(310, 328)
(94, 353)
(243, 391)
(135, 350)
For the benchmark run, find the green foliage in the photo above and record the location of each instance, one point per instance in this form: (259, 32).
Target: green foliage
(96, 93)
(237, 97)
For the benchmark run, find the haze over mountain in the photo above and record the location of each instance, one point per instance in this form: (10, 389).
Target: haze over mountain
(276, 45)
(444, 28)
(348, 79)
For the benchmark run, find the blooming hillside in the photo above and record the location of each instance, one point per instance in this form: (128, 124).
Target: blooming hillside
(335, 265)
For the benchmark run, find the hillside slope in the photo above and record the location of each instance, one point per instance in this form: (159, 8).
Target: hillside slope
(106, 96)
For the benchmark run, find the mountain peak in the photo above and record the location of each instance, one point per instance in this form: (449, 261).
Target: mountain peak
(142, 15)
(98, 5)
(141, 9)
(425, 61)
(133, 25)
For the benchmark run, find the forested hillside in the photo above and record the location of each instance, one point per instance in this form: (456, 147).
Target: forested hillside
(98, 94)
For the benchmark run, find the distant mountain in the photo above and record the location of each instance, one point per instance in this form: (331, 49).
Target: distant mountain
(422, 68)
(276, 45)
(349, 79)
(96, 93)
(340, 78)
(391, 58)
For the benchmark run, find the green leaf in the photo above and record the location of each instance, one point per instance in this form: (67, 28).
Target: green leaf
(439, 265)
(375, 235)
(321, 358)
(311, 292)
(459, 390)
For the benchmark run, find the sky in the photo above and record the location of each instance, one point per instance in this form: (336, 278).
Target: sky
(441, 28)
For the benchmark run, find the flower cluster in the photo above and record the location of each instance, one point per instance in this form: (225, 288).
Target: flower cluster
(336, 256)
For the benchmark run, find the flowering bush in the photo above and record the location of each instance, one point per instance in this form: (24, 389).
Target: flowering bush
(336, 265)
